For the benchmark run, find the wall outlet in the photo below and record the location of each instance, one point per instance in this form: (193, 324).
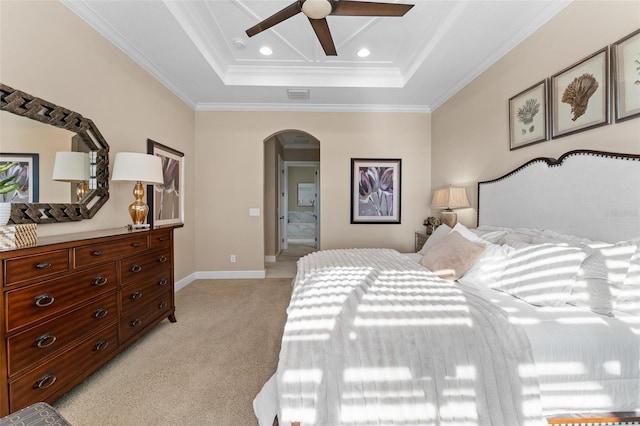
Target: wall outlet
(232, 258)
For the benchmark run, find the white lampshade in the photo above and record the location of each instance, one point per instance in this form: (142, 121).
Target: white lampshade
(71, 167)
(137, 167)
(450, 198)
(316, 9)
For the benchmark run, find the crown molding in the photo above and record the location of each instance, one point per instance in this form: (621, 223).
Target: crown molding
(421, 109)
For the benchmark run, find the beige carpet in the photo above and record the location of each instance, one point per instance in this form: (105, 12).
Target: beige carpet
(203, 370)
(285, 264)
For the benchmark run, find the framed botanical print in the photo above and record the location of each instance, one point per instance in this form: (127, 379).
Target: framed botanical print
(20, 174)
(580, 95)
(626, 76)
(528, 117)
(375, 190)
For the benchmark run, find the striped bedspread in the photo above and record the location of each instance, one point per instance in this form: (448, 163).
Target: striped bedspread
(373, 338)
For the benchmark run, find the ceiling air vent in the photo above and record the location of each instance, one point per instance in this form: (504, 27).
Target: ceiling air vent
(298, 94)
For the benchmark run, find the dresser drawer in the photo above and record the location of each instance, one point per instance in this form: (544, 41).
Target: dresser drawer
(34, 303)
(143, 267)
(30, 347)
(161, 238)
(96, 253)
(35, 266)
(51, 376)
(155, 307)
(139, 293)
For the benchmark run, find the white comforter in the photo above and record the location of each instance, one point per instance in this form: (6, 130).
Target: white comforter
(373, 338)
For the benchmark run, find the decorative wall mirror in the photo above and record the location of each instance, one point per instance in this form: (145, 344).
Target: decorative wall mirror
(81, 135)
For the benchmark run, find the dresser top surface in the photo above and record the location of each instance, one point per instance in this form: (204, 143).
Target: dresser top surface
(80, 236)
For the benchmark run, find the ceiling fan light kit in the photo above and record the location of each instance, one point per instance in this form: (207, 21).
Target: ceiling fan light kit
(318, 10)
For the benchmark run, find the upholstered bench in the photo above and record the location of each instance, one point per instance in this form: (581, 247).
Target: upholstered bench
(37, 414)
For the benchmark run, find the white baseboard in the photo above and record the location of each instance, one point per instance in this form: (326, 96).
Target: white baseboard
(179, 285)
(270, 259)
(218, 275)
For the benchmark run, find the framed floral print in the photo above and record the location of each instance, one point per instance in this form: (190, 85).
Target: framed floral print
(19, 178)
(375, 190)
(626, 76)
(528, 117)
(166, 201)
(580, 95)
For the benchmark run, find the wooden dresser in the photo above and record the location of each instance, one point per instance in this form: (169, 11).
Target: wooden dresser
(72, 302)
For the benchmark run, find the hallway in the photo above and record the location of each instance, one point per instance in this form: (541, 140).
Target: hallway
(285, 264)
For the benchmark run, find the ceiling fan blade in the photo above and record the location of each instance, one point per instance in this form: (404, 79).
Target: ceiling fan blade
(276, 18)
(321, 29)
(368, 8)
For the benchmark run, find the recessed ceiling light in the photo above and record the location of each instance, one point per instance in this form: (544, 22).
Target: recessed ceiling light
(266, 51)
(363, 53)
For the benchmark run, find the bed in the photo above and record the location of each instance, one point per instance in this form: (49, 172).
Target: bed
(533, 318)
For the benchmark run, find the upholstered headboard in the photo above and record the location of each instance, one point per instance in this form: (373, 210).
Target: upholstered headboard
(592, 194)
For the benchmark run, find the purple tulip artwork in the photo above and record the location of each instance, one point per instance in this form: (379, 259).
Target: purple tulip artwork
(166, 201)
(375, 190)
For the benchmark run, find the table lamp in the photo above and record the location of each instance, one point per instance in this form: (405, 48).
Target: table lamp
(73, 167)
(139, 168)
(448, 199)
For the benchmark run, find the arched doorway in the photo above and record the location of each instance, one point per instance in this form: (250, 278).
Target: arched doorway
(291, 192)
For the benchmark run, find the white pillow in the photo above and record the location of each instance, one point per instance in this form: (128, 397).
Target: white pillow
(628, 298)
(601, 276)
(489, 236)
(471, 236)
(488, 269)
(440, 232)
(541, 274)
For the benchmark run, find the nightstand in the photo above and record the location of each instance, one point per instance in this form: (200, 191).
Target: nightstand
(420, 239)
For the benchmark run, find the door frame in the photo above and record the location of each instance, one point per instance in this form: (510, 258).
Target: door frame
(284, 198)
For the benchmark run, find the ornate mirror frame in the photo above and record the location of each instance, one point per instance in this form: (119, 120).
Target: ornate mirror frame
(25, 105)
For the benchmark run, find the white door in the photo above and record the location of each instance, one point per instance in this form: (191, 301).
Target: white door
(316, 210)
(282, 210)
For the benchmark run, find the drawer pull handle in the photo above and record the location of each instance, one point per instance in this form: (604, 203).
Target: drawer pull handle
(135, 322)
(163, 282)
(46, 381)
(100, 313)
(44, 300)
(163, 239)
(162, 305)
(136, 244)
(162, 259)
(135, 268)
(100, 280)
(46, 340)
(43, 265)
(97, 253)
(135, 295)
(101, 345)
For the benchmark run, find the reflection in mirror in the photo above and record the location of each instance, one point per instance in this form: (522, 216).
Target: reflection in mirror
(69, 191)
(73, 167)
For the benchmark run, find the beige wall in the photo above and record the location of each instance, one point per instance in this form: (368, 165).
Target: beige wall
(229, 166)
(272, 150)
(470, 140)
(47, 51)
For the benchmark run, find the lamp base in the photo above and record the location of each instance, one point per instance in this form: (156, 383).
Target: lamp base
(449, 218)
(138, 209)
(82, 189)
(141, 226)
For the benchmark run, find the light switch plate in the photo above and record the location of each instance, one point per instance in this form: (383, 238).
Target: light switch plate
(254, 212)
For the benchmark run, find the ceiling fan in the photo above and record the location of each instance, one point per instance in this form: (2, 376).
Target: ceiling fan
(318, 10)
